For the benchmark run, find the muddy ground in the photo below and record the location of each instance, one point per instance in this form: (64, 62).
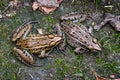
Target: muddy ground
(64, 65)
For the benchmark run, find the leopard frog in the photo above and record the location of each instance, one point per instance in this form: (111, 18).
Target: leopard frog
(77, 35)
(33, 43)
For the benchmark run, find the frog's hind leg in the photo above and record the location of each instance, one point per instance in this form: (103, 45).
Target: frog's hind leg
(23, 56)
(43, 54)
(22, 31)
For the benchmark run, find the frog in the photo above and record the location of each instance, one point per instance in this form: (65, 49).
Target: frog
(113, 20)
(77, 35)
(46, 6)
(33, 43)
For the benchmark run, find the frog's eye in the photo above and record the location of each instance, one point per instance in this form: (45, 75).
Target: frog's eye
(52, 43)
(51, 36)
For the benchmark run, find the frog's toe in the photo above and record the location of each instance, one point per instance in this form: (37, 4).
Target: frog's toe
(97, 27)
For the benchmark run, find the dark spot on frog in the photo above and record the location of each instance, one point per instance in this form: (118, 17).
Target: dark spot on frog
(79, 31)
(84, 42)
(38, 43)
(25, 52)
(73, 32)
(74, 26)
(119, 18)
(67, 31)
(81, 16)
(25, 43)
(76, 42)
(32, 39)
(86, 36)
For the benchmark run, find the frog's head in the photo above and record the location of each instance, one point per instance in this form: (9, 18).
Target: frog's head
(95, 46)
(54, 39)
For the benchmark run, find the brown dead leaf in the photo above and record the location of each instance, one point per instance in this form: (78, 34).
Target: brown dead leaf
(44, 7)
(98, 77)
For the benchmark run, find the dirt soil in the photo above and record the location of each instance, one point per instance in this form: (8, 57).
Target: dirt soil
(65, 65)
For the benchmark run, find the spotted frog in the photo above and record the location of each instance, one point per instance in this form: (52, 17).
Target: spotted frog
(77, 35)
(33, 43)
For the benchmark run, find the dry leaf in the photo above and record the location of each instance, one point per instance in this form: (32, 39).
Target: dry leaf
(44, 6)
(98, 77)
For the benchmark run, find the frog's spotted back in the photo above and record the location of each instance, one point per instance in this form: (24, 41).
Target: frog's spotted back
(74, 16)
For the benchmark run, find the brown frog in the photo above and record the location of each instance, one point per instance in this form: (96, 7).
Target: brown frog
(33, 43)
(77, 34)
(112, 20)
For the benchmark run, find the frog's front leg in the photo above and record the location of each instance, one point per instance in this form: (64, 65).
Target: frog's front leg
(43, 54)
(58, 31)
(80, 50)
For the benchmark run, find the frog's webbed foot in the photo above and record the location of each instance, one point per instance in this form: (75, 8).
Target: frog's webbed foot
(44, 55)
